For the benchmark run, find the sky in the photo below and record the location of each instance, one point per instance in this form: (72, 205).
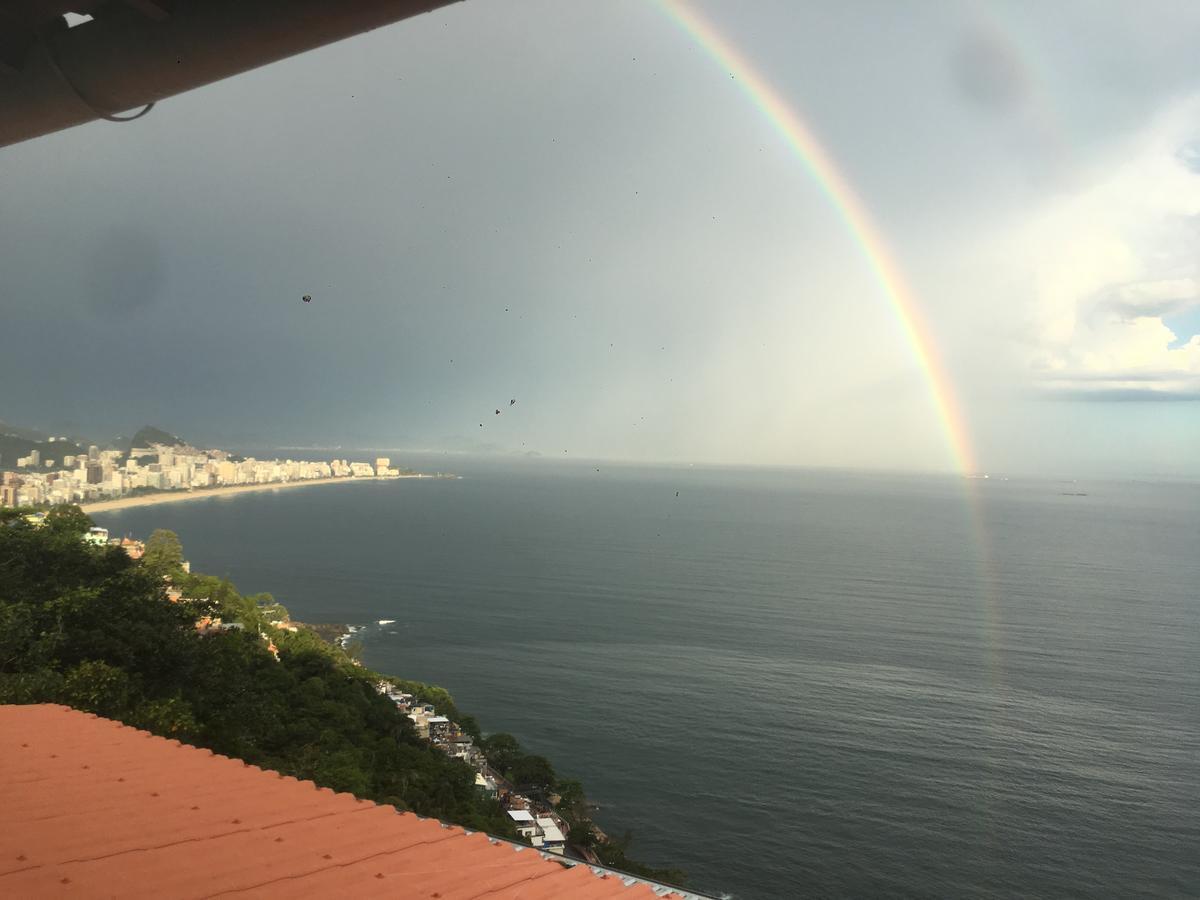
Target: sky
(578, 206)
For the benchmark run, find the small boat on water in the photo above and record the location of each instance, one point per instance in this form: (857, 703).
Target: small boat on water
(386, 621)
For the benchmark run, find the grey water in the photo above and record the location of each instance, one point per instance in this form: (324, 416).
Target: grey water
(787, 683)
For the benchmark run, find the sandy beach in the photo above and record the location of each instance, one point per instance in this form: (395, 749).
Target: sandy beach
(205, 493)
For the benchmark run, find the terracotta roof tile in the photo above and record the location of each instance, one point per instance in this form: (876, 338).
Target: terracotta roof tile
(95, 808)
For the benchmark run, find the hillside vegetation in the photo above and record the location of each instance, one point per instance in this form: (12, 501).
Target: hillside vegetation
(148, 435)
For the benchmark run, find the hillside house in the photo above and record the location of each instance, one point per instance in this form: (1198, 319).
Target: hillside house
(96, 536)
(553, 838)
(487, 784)
(526, 826)
(420, 723)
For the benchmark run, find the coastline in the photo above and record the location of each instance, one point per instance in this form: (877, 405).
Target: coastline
(226, 490)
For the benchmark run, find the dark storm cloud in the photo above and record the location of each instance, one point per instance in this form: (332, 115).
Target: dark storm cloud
(125, 271)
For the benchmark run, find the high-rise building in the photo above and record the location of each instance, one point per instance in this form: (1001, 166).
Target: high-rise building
(35, 457)
(93, 453)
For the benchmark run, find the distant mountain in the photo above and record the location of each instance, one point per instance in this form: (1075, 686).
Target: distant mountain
(150, 435)
(17, 442)
(28, 434)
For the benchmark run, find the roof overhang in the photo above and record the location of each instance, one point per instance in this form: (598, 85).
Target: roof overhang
(134, 53)
(95, 808)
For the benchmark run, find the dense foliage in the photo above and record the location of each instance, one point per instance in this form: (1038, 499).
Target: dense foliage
(88, 627)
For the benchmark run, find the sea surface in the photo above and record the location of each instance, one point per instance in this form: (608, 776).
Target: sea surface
(788, 683)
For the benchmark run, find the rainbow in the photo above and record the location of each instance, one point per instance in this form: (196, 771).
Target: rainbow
(854, 214)
(866, 234)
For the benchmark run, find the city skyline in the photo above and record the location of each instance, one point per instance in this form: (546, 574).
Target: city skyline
(98, 475)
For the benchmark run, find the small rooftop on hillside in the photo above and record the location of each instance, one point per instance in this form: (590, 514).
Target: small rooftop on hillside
(96, 808)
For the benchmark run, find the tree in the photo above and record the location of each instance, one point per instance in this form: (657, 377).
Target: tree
(12, 514)
(571, 804)
(612, 853)
(164, 553)
(582, 836)
(68, 518)
(501, 750)
(533, 772)
(268, 607)
(98, 687)
(470, 726)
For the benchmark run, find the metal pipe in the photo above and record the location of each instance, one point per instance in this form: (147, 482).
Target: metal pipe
(126, 58)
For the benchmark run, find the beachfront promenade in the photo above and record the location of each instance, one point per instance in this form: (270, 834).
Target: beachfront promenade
(229, 490)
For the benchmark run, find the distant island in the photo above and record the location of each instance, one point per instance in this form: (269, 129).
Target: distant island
(158, 467)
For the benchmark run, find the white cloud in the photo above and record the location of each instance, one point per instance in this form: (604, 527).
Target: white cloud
(1108, 262)
(1156, 298)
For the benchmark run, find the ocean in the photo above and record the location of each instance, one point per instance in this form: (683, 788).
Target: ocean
(788, 683)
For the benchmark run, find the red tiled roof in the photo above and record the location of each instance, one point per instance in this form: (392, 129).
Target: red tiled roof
(90, 807)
